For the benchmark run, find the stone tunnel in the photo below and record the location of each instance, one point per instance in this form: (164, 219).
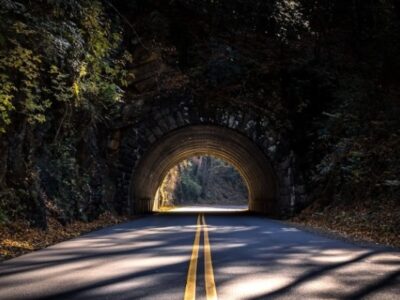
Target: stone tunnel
(150, 142)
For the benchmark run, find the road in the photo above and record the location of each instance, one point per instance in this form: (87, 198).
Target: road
(182, 256)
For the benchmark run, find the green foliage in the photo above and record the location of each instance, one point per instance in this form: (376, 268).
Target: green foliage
(70, 184)
(204, 178)
(21, 65)
(12, 204)
(3, 217)
(62, 70)
(71, 61)
(190, 188)
(292, 22)
(355, 129)
(6, 97)
(97, 74)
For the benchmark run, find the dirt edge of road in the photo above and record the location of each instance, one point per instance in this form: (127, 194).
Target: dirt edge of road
(357, 223)
(19, 238)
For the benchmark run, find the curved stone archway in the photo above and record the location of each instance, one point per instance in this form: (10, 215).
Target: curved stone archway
(149, 142)
(217, 141)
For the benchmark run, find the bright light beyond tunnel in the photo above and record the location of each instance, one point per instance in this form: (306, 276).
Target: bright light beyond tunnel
(203, 184)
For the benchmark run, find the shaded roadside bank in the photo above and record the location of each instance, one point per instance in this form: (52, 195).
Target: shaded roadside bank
(19, 237)
(358, 221)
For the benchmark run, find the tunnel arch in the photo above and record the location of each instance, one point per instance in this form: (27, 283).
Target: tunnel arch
(140, 132)
(196, 140)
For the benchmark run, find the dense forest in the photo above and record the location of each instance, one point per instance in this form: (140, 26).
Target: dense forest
(326, 72)
(62, 70)
(203, 180)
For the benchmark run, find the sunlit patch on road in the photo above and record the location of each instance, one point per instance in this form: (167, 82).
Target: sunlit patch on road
(209, 209)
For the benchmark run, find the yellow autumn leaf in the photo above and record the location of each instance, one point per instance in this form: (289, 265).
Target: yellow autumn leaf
(75, 88)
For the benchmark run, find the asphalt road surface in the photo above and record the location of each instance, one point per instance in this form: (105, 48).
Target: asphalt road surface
(187, 256)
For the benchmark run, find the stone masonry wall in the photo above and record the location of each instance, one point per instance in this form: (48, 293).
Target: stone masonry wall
(135, 135)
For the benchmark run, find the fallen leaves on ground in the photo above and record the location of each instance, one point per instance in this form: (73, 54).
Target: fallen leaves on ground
(377, 222)
(18, 237)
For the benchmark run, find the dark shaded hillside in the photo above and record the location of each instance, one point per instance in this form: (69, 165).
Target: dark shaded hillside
(325, 72)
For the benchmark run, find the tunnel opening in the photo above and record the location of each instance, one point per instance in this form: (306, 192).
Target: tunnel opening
(203, 183)
(204, 140)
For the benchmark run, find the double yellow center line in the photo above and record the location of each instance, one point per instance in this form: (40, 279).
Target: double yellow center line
(190, 290)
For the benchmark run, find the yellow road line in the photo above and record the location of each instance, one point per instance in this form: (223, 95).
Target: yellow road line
(190, 290)
(211, 290)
